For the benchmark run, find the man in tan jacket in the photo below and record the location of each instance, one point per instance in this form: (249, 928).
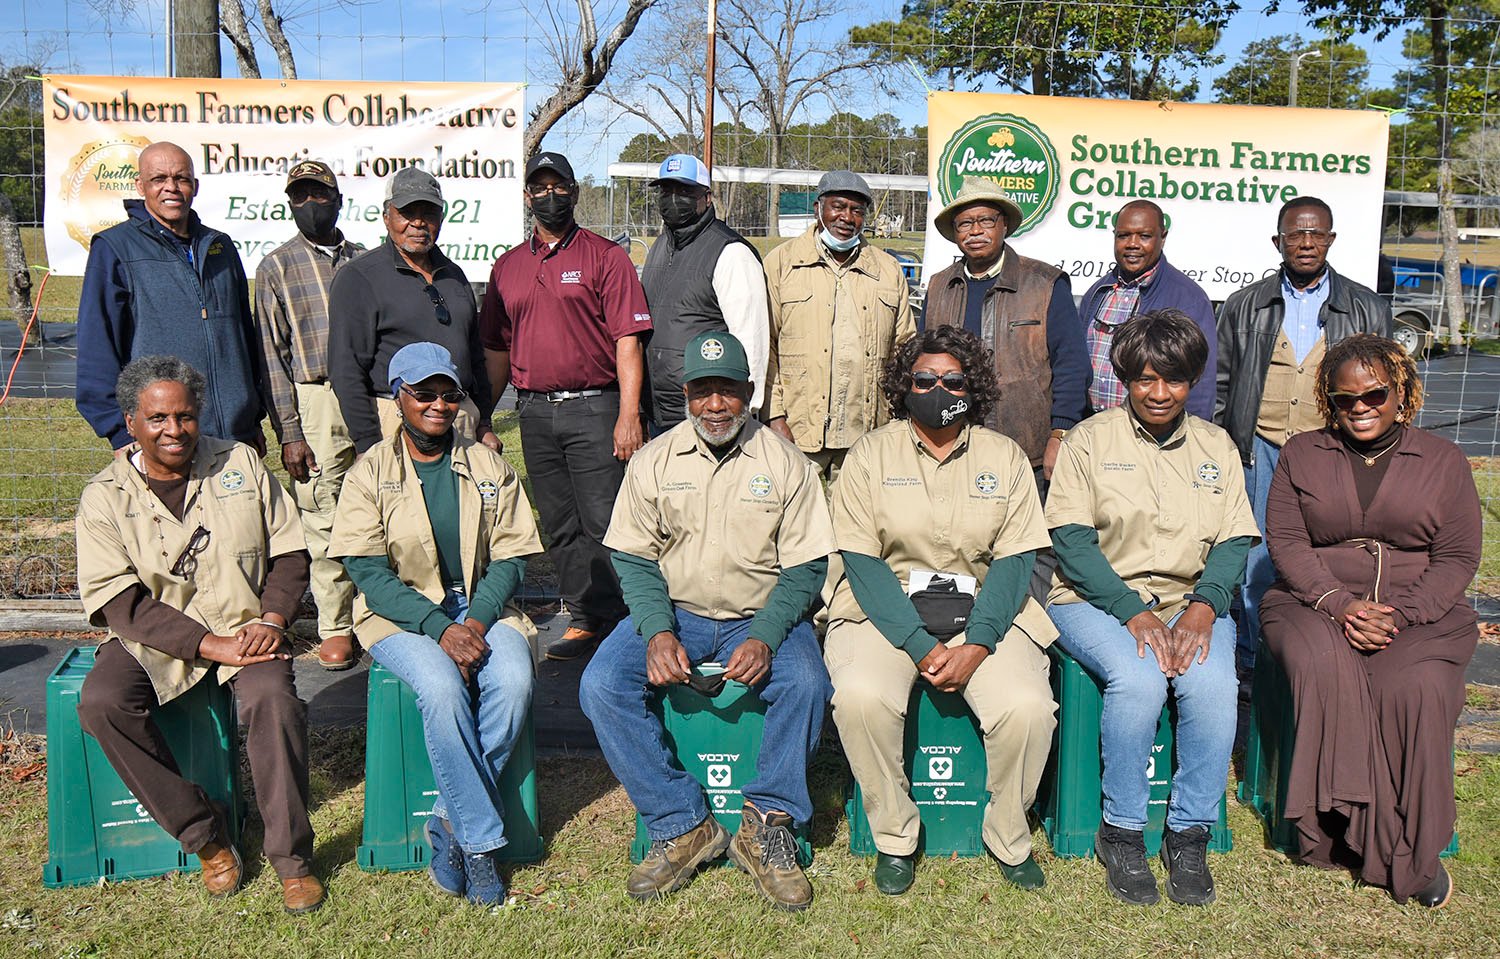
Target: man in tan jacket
(838, 307)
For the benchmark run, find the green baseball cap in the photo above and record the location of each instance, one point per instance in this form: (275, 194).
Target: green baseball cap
(715, 354)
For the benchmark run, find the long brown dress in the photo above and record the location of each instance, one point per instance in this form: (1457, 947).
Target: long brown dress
(1374, 731)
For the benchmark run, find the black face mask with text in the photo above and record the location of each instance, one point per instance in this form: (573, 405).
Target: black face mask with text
(553, 211)
(677, 210)
(315, 220)
(936, 408)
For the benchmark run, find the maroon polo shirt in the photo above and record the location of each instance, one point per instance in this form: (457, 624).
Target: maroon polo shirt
(558, 311)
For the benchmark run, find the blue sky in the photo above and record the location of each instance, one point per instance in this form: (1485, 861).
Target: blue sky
(450, 40)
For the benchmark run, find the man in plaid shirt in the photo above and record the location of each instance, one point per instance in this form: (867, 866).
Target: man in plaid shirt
(1141, 281)
(291, 309)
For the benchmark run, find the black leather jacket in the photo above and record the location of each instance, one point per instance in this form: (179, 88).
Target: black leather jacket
(1248, 324)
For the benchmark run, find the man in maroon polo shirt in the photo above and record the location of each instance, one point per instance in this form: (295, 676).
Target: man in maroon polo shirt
(563, 320)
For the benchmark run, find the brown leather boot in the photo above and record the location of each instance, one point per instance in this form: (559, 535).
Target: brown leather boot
(222, 870)
(670, 863)
(336, 653)
(302, 894)
(766, 849)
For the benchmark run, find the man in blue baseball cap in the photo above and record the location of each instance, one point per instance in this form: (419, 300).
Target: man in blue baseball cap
(700, 276)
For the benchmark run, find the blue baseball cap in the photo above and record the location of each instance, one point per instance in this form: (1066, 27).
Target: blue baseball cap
(414, 362)
(681, 168)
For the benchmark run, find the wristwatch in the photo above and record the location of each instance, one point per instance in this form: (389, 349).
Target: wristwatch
(1200, 598)
(1059, 434)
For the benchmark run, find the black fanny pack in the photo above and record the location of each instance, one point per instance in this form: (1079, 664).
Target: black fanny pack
(944, 608)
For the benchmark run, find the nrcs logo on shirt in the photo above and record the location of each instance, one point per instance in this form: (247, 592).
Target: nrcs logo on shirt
(571, 276)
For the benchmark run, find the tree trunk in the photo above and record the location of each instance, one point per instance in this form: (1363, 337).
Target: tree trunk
(773, 190)
(17, 274)
(232, 22)
(1453, 286)
(195, 38)
(272, 22)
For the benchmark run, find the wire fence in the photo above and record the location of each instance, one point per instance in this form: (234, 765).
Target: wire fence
(870, 68)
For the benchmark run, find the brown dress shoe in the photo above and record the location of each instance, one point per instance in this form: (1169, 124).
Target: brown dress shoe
(222, 870)
(302, 894)
(575, 642)
(670, 863)
(336, 653)
(765, 848)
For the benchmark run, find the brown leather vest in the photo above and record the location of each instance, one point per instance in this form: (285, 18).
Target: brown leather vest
(1014, 321)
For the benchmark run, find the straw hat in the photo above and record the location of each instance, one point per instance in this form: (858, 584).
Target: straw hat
(977, 190)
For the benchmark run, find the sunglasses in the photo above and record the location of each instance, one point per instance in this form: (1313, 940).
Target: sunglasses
(187, 561)
(1371, 399)
(952, 382)
(439, 308)
(453, 397)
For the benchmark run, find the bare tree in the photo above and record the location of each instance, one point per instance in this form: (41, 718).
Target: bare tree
(20, 89)
(662, 82)
(232, 23)
(580, 58)
(271, 22)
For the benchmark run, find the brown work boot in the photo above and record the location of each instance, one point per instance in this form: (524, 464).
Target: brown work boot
(222, 870)
(670, 863)
(766, 849)
(336, 653)
(302, 894)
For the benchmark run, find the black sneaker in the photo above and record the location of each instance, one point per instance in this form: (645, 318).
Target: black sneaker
(1185, 854)
(1123, 853)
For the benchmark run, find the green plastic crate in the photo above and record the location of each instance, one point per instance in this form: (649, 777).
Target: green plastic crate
(95, 828)
(1070, 798)
(947, 769)
(717, 742)
(1268, 755)
(400, 790)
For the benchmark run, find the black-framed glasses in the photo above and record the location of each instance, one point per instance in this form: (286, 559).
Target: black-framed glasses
(538, 190)
(454, 396)
(952, 382)
(1371, 398)
(439, 308)
(187, 560)
(1316, 237)
(987, 222)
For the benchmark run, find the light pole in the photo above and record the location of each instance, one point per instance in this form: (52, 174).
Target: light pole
(1291, 90)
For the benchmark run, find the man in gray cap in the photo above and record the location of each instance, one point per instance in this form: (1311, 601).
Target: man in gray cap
(838, 307)
(404, 291)
(291, 309)
(1023, 310)
(700, 276)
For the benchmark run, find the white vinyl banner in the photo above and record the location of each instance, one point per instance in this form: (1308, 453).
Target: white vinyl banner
(244, 135)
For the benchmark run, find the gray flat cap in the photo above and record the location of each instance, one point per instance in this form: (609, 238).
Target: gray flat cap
(843, 181)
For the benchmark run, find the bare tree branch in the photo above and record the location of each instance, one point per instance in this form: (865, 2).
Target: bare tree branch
(272, 23)
(232, 24)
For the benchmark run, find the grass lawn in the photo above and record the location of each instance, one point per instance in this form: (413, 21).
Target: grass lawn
(573, 903)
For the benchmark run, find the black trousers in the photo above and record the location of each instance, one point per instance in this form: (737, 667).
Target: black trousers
(115, 708)
(569, 451)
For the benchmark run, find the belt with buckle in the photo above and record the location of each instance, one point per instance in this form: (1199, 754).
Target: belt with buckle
(557, 396)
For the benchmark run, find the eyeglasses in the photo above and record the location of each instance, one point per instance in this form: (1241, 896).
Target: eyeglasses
(439, 308)
(187, 561)
(454, 397)
(539, 190)
(1371, 398)
(952, 382)
(978, 222)
(1315, 237)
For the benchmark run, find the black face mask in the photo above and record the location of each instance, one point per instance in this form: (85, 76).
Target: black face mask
(426, 445)
(677, 210)
(936, 408)
(553, 211)
(316, 220)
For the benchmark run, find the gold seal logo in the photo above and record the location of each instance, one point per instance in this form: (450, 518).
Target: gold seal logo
(96, 180)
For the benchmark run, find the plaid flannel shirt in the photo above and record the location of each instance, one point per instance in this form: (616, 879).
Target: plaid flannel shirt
(1119, 304)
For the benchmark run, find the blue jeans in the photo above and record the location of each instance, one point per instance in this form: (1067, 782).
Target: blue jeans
(613, 694)
(1259, 572)
(470, 728)
(1135, 690)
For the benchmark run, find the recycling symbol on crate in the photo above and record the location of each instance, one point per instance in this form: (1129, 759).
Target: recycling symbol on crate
(719, 775)
(719, 801)
(940, 792)
(940, 767)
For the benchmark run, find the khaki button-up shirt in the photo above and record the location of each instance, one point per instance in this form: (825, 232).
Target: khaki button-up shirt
(381, 512)
(832, 329)
(1158, 509)
(126, 537)
(896, 502)
(1289, 404)
(721, 530)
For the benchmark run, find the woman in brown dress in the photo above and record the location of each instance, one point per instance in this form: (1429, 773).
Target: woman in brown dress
(1374, 527)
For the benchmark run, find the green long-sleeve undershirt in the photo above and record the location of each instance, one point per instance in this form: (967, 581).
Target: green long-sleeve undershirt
(885, 602)
(392, 599)
(1082, 561)
(645, 591)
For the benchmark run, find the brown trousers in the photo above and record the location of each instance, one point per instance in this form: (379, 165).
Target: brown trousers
(115, 708)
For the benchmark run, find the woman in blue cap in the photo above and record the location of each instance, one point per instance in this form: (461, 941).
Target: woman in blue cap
(434, 528)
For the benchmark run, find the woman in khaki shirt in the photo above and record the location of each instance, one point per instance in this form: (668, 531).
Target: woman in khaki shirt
(934, 492)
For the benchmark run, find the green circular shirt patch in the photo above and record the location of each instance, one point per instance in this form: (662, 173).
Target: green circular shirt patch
(986, 482)
(1010, 152)
(1208, 472)
(488, 490)
(231, 480)
(760, 483)
(712, 349)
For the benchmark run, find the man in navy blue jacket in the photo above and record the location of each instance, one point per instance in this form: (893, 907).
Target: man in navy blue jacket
(163, 283)
(1141, 281)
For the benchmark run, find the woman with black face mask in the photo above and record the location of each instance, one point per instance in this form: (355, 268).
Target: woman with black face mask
(938, 522)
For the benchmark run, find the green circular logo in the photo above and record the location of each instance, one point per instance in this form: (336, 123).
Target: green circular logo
(1011, 153)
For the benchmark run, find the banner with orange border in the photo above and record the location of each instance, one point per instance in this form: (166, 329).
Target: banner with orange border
(244, 135)
(1219, 173)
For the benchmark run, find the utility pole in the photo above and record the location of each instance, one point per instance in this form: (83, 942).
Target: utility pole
(1291, 90)
(195, 38)
(708, 100)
